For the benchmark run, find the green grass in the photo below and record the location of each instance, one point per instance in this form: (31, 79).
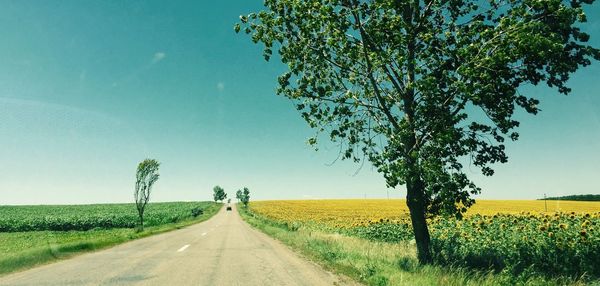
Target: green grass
(22, 250)
(382, 263)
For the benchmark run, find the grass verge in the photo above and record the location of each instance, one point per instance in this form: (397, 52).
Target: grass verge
(23, 250)
(380, 263)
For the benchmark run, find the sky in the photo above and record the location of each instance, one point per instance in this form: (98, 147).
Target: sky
(88, 89)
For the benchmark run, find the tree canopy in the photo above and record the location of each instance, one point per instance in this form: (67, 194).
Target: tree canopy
(419, 88)
(244, 196)
(146, 176)
(219, 194)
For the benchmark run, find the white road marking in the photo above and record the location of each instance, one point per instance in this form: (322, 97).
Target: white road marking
(204, 233)
(183, 248)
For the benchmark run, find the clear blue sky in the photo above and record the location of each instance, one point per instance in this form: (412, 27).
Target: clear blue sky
(90, 88)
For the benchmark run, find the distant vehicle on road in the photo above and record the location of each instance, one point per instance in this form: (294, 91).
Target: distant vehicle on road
(228, 206)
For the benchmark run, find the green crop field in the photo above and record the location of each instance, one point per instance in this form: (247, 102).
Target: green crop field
(86, 217)
(33, 235)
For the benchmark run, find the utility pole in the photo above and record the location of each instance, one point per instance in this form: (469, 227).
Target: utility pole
(545, 203)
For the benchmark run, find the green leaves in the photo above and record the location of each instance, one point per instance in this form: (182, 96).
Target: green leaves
(243, 195)
(420, 88)
(219, 194)
(146, 176)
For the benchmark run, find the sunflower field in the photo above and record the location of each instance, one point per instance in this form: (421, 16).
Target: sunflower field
(554, 238)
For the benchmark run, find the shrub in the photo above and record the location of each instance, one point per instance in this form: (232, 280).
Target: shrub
(384, 231)
(197, 211)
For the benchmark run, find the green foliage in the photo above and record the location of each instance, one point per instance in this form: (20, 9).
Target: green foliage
(555, 245)
(88, 217)
(562, 244)
(379, 280)
(407, 264)
(327, 250)
(391, 80)
(219, 194)
(25, 249)
(367, 260)
(146, 176)
(384, 231)
(196, 211)
(589, 198)
(293, 226)
(243, 196)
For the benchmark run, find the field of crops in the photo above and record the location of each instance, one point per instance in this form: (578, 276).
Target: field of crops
(34, 235)
(86, 217)
(506, 236)
(352, 213)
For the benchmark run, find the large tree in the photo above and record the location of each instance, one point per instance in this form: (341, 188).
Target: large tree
(419, 87)
(146, 176)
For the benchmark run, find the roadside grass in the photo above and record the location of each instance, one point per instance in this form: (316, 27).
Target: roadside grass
(23, 250)
(381, 263)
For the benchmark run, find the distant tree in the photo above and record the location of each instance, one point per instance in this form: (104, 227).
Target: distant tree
(219, 194)
(146, 176)
(588, 197)
(245, 196)
(418, 87)
(239, 194)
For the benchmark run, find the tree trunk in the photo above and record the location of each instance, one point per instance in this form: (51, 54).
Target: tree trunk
(415, 199)
(415, 187)
(141, 221)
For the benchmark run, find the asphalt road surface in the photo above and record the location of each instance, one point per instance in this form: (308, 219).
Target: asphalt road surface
(223, 250)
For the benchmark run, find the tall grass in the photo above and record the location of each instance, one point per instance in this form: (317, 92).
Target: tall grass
(383, 263)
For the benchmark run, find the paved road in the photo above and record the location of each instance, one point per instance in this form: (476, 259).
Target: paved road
(221, 251)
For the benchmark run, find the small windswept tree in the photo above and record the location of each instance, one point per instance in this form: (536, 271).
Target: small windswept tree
(146, 176)
(219, 194)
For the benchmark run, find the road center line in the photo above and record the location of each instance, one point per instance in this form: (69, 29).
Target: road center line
(183, 248)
